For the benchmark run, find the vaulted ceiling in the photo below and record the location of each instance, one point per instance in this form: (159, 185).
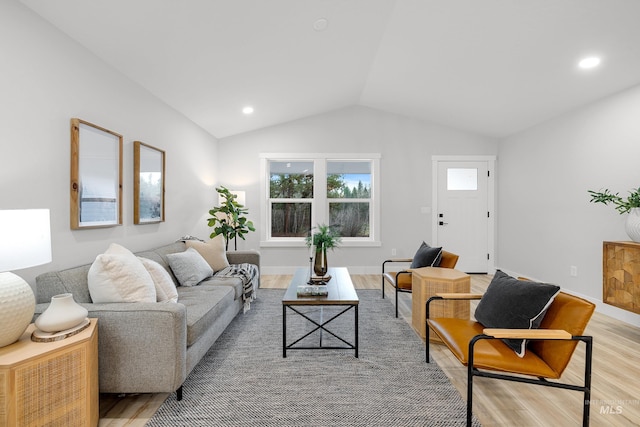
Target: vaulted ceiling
(492, 67)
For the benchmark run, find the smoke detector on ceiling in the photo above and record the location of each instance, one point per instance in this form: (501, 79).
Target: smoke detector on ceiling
(320, 24)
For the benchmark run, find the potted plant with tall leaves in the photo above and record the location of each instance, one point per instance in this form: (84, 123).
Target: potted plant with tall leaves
(229, 218)
(630, 206)
(325, 237)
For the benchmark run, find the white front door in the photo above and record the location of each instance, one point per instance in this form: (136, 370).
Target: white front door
(463, 217)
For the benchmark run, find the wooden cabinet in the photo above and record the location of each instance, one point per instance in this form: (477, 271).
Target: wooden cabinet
(621, 275)
(53, 384)
(428, 281)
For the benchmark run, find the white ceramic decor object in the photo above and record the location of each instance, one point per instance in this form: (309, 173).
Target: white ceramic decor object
(25, 241)
(632, 225)
(17, 304)
(63, 313)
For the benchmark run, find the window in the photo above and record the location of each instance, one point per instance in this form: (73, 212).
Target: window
(303, 190)
(459, 179)
(349, 194)
(291, 197)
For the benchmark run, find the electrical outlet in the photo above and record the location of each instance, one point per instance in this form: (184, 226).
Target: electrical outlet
(393, 252)
(574, 271)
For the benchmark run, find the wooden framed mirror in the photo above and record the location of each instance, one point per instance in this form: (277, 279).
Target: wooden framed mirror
(148, 184)
(96, 176)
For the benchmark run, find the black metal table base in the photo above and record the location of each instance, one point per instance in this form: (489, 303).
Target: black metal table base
(321, 327)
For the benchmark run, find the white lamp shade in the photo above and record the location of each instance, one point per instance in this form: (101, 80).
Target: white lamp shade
(25, 238)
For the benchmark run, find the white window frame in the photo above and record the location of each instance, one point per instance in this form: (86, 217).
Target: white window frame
(320, 201)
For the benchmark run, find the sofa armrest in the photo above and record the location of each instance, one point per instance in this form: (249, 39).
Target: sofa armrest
(240, 257)
(142, 347)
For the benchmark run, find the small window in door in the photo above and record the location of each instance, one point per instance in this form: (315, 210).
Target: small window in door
(462, 179)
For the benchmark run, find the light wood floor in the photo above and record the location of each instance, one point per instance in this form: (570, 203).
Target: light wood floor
(615, 395)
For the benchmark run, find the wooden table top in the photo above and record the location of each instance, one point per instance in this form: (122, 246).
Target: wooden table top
(25, 349)
(340, 287)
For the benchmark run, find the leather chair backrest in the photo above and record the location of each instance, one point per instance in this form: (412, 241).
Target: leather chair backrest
(448, 260)
(571, 314)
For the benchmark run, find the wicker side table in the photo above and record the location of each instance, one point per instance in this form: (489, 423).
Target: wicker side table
(52, 383)
(428, 281)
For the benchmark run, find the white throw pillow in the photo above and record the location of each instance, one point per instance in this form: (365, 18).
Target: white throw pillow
(189, 267)
(212, 251)
(118, 276)
(165, 288)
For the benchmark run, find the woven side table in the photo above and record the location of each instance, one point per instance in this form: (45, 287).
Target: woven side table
(53, 383)
(428, 281)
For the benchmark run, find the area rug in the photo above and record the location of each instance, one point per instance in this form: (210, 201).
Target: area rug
(244, 381)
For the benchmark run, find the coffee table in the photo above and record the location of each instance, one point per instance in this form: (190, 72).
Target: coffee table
(341, 293)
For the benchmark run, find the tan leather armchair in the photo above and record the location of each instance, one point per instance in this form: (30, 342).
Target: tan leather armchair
(548, 354)
(401, 280)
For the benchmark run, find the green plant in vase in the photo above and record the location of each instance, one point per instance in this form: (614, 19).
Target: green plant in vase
(325, 237)
(630, 206)
(621, 205)
(229, 218)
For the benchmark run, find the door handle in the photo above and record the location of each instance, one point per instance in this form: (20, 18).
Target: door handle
(442, 223)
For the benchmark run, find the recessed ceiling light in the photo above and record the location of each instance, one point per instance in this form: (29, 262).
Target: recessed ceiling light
(247, 110)
(321, 24)
(590, 62)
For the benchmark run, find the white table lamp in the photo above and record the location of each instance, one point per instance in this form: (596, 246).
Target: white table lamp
(25, 241)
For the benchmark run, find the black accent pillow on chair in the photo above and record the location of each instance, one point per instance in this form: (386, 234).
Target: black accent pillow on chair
(426, 256)
(515, 304)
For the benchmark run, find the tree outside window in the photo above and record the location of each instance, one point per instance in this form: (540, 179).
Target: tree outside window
(304, 193)
(291, 193)
(349, 194)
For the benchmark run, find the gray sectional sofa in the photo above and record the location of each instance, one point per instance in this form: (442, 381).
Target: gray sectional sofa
(152, 347)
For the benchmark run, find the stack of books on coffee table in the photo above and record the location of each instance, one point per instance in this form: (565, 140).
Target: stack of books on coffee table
(313, 291)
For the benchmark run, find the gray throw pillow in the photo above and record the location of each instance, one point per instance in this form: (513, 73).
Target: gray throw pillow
(515, 304)
(189, 267)
(426, 256)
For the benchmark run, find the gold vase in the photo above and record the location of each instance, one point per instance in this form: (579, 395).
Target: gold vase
(320, 266)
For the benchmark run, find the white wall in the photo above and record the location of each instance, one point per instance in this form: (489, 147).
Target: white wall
(406, 147)
(45, 80)
(546, 222)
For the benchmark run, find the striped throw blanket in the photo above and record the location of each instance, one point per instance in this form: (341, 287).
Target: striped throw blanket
(248, 273)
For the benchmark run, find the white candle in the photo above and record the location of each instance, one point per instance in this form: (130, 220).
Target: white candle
(322, 257)
(310, 251)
